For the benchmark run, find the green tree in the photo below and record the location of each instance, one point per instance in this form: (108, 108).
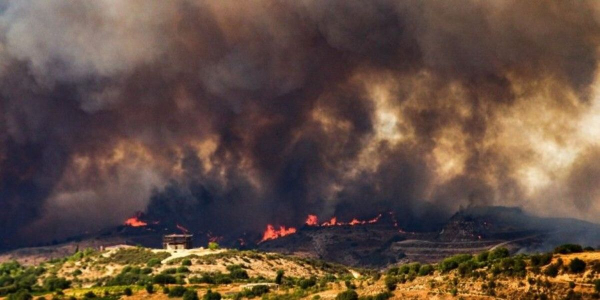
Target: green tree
(213, 246)
(127, 291)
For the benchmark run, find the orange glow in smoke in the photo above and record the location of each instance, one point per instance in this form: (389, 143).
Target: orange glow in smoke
(135, 222)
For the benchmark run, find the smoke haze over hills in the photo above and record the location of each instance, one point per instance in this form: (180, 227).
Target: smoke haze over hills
(229, 115)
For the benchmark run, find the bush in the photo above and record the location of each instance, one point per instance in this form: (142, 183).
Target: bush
(306, 283)
(390, 283)
(210, 295)
(236, 272)
(53, 283)
(213, 246)
(89, 295)
(597, 285)
(568, 248)
(153, 262)
(190, 295)
(498, 253)
(279, 277)
(483, 256)
(20, 295)
(452, 262)
(551, 270)
(150, 288)
(177, 291)
(259, 290)
(186, 262)
(127, 291)
(163, 279)
(576, 265)
(135, 256)
(466, 268)
(347, 295)
(539, 260)
(425, 270)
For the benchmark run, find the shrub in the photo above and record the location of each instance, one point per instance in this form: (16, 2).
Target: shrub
(452, 262)
(347, 295)
(153, 262)
(176, 291)
(210, 295)
(183, 270)
(306, 283)
(89, 295)
(186, 262)
(279, 277)
(498, 253)
(134, 256)
(597, 285)
(576, 265)
(466, 268)
(539, 260)
(163, 279)
(53, 283)
(127, 291)
(20, 295)
(236, 272)
(150, 288)
(213, 246)
(390, 283)
(190, 295)
(551, 270)
(483, 256)
(425, 270)
(259, 290)
(568, 248)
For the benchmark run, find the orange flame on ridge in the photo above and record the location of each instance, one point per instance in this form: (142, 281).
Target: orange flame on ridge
(271, 233)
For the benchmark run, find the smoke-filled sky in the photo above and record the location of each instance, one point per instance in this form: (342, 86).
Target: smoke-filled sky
(233, 114)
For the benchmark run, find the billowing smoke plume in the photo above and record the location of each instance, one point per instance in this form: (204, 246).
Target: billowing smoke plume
(229, 115)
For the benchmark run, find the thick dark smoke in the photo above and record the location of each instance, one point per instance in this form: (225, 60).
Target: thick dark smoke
(228, 115)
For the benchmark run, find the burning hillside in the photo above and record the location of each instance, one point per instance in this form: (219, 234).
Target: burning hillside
(272, 233)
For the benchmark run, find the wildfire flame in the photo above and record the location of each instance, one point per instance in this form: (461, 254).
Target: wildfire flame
(135, 221)
(271, 233)
(312, 220)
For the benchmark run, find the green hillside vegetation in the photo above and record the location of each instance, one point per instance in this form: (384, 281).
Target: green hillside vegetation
(569, 272)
